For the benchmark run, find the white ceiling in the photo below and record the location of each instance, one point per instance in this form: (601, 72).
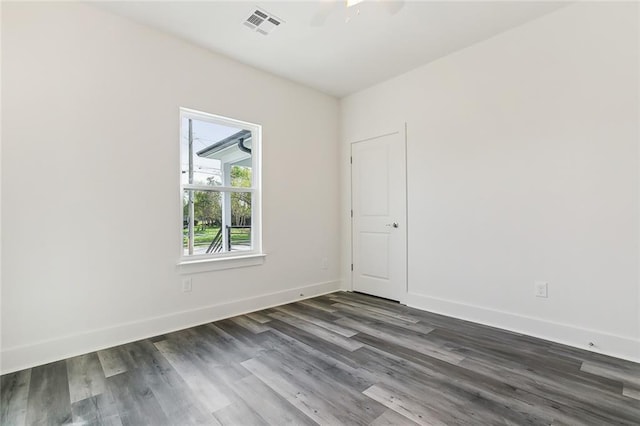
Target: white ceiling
(337, 58)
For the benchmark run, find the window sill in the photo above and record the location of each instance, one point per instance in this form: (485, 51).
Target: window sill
(207, 265)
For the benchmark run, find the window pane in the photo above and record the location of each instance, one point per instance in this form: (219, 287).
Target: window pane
(214, 154)
(207, 222)
(221, 222)
(240, 229)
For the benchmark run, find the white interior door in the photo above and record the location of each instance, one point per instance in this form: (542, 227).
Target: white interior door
(379, 231)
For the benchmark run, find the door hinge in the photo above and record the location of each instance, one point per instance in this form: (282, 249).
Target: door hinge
(351, 213)
(351, 160)
(352, 266)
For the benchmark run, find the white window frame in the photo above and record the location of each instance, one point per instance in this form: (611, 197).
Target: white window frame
(255, 256)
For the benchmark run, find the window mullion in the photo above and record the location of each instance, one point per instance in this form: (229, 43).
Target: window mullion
(217, 188)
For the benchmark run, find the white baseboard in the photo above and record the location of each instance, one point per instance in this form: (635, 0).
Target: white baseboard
(604, 343)
(27, 356)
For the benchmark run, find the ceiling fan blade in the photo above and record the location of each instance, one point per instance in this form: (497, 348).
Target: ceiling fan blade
(392, 6)
(320, 17)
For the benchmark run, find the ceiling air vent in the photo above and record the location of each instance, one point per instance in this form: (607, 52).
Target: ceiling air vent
(262, 21)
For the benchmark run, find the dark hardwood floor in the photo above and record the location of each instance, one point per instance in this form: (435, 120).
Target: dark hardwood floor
(343, 358)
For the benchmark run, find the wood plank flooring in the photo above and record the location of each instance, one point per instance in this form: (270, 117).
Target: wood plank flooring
(339, 359)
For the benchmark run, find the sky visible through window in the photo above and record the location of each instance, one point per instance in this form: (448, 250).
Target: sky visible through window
(204, 134)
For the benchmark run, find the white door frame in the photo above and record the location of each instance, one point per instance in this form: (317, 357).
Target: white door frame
(402, 130)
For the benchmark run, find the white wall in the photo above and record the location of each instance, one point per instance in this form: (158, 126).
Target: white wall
(90, 183)
(523, 165)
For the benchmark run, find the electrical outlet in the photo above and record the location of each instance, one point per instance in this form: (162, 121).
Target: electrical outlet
(541, 289)
(186, 285)
(324, 264)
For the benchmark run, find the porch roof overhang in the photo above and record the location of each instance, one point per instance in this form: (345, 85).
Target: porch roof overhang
(230, 150)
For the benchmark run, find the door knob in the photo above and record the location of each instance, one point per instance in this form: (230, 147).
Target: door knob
(394, 224)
